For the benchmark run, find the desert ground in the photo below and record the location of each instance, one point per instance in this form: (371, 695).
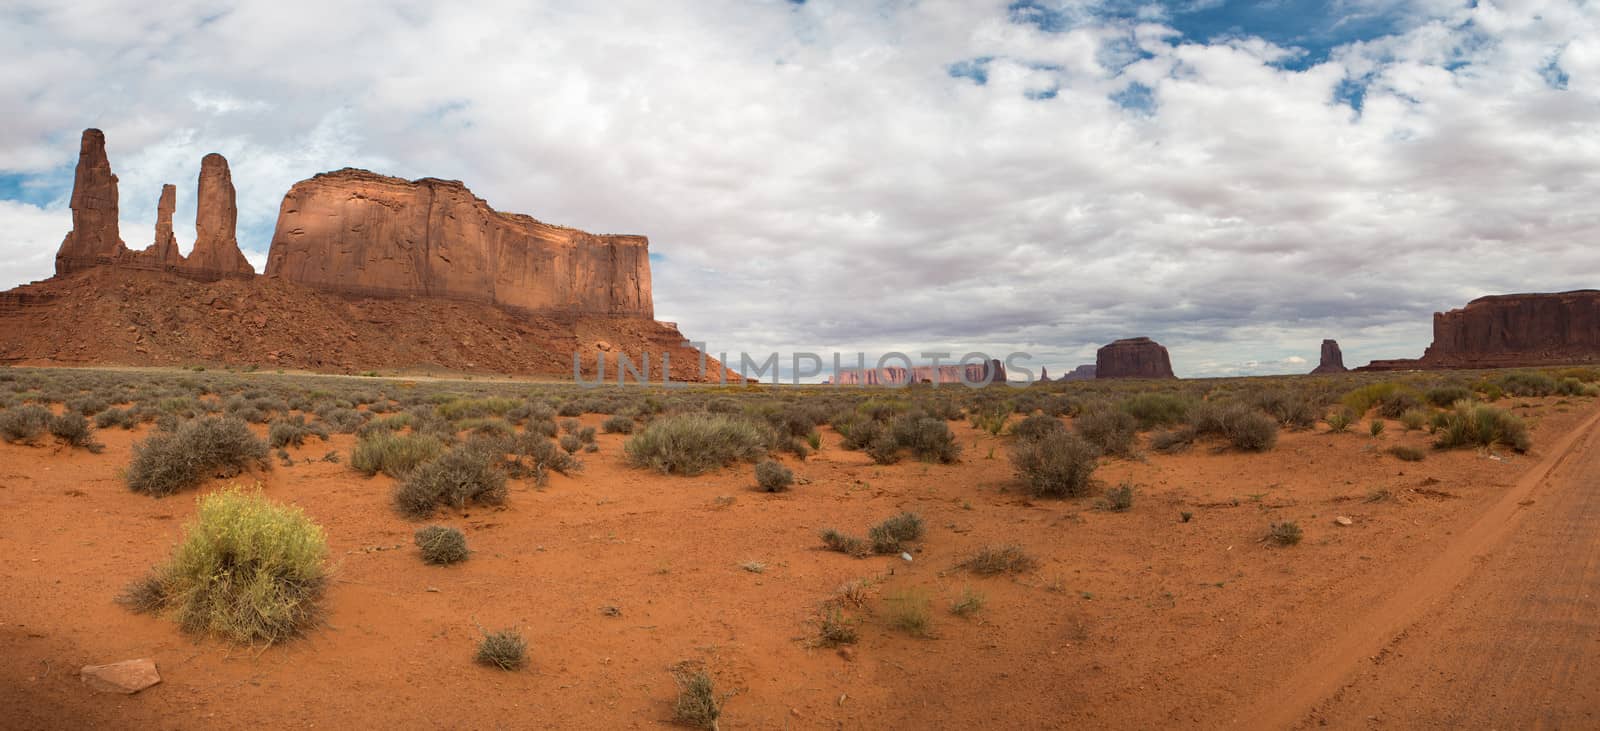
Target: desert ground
(1453, 588)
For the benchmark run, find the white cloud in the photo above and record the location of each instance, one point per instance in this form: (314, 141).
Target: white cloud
(816, 180)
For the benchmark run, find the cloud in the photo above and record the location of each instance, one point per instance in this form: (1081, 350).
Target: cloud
(818, 178)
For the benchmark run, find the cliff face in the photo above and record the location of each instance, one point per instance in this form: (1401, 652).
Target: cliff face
(94, 240)
(1133, 358)
(991, 372)
(356, 232)
(1510, 331)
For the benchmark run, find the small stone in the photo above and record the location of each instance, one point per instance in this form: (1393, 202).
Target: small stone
(1341, 520)
(126, 677)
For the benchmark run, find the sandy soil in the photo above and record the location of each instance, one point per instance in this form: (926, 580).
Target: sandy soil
(1129, 620)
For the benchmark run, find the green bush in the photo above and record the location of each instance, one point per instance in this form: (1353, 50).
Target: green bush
(1037, 426)
(247, 569)
(1397, 402)
(1414, 419)
(1119, 499)
(570, 443)
(891, 535)
(23, 424)
(1174, 440)
(773, 477)
(441, 545)
(462, 475)
(1339, 421)
(692, 444)
(1111, 430)
(211, 446)
(1480, 425)
(617, 425)
(1241, 426)
(124, 418)
(850, 545)
(1057, 465)
(395, 455)
(927, 438)
(1527, 384)
(1362, 399)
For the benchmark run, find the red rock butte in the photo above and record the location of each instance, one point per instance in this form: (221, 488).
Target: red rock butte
(1133, 358)
(1332, 359)
(992, 371)
(1512, 330)
(364, 272)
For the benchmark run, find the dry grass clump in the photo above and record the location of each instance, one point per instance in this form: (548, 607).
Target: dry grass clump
(849, 545)
(23, 424)
(1037, 426)
(247, 569)
(1287, 533)
(1058, 464)
(909, 611)
(395, 455)
(696, 705)
(505, 650)
(1405, 453)
(773, 477)
(201, 448)
(968, 604)
(891, 535)
(72, 429)
(1110, 430)
(835, 629)
(292, 431)
(463, 475)
(692, 444)
(992, 560)
(441, 545)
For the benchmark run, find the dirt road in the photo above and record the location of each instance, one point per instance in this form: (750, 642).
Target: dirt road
(1502, 631)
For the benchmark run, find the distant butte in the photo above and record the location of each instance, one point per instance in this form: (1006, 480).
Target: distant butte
(1133, 358)
(1511, 331)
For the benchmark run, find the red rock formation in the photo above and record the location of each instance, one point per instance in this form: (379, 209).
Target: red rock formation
(991, 372)
(1133, 358)
(94, 238)
(1512, 330)
(1081, 373)
(216, 247)
(1332, 359)
(356, 232)
(163, 254)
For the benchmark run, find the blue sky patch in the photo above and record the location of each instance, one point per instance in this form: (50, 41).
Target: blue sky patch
(976, 69)
(36, 189)
(1137, 98)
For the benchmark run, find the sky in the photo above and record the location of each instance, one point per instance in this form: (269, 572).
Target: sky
(1236, 179)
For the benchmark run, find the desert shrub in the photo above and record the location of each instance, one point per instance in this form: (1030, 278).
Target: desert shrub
(1361, 400)
(1173, 441)
(570, 408)
(1481, 425)
(1446, 396)
(891, 535)
(617, 425)
(1375, 427)
(24, 424)
(124, 418)
(72, 429)
(292, 431)
(691, 443)
(343, 420)
(1414, 419)
(585, 435)
(833, 540)
(1058, 465)
(968, 604)
(991, 560)
(1404, 453)
(1153, 409)
(532, 455)
(834, 629)
(1241, 426)
(462, 475)
(1286, 533)
(908, 611)
(696, 705)
(1527, 383)
(1118, 499)
(1111, 430)
(990, 417)
(487, 426)
(1339, 421)
(462, 408)
(505, 650)
(210, 446)
(1570, 386)
(247, 569)
(927, 438)
(858, 431)
(395, 455)
(88, 405)
(1293, 409)
(570, 443)
(1397, 402)
(884, 449)
(441, 545)
(1037, 426)
(773, 477)
(543, 427)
